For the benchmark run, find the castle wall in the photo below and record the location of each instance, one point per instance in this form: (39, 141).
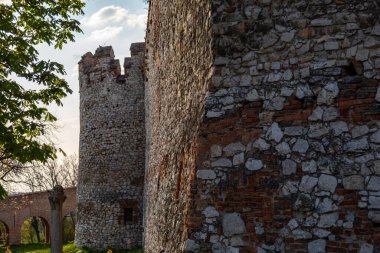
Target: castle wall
(112, 144)
(178, 67)
(286, 155)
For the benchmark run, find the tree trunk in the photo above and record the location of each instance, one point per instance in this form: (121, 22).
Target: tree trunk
(36, 228)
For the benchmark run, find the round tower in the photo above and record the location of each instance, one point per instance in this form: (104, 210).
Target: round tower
(112, 144)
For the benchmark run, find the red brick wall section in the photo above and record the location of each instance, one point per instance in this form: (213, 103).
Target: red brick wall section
(16, 209)
(288, 158)
(178, 67)
(288, 152)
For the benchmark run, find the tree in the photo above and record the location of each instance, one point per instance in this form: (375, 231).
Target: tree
(24, 118)
(33, 230)
(3, 234)
(69, 222)
(34, 224)
(44, 176)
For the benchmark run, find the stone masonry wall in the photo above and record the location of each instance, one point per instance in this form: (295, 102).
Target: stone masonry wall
(287, 155)
(178, 67)
(112, 144)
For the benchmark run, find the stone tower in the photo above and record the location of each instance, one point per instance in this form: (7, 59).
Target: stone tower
(112, 144)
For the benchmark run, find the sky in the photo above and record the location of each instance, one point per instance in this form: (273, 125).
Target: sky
(105, 22)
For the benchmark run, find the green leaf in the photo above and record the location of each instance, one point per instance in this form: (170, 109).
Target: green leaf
(3, 193)
(24, 118)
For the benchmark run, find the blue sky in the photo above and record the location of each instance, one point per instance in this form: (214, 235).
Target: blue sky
(112, 22)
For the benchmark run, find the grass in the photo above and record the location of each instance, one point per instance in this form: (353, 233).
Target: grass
(113, 251)
(68, 248)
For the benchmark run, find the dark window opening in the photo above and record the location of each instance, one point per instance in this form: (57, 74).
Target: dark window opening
(350, 69)
(128, 215)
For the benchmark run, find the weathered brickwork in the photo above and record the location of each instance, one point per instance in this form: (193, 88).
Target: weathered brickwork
(112, 144)
(178, 68)
(279, 151)
(15, 210)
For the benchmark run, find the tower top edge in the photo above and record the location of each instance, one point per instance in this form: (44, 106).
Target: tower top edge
(137, 47)
(100, 52)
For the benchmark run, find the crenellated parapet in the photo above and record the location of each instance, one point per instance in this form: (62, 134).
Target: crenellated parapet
(94, 68)
(135, 61)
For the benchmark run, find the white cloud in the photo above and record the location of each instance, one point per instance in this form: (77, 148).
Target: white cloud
(73, 72)
(105, 33)
(137, 21)
(5, 1)
(111, 15)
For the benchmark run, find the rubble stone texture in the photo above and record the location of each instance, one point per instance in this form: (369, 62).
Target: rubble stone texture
(259, 113)
(262, 123)
(112, 144)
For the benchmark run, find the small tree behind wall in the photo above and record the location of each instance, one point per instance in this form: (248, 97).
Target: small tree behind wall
(30, 233)
(43, 177)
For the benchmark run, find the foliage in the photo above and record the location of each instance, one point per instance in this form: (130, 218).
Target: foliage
(31, 248)
(45, 248)
(3, 192)
(24, 118)
(86, 250)
(3, 234)
(69, 228)
(28, 233)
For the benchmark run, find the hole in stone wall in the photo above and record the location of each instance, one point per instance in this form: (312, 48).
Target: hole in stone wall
(130, 211)
(128, 215)
(350, 69)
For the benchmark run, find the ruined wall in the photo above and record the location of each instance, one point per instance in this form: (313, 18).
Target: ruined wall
(112, 144)
(14, 210)
(178, 67)
(287, 153)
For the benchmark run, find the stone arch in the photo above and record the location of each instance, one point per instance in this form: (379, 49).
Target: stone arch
(45, 223)
(17, 208)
